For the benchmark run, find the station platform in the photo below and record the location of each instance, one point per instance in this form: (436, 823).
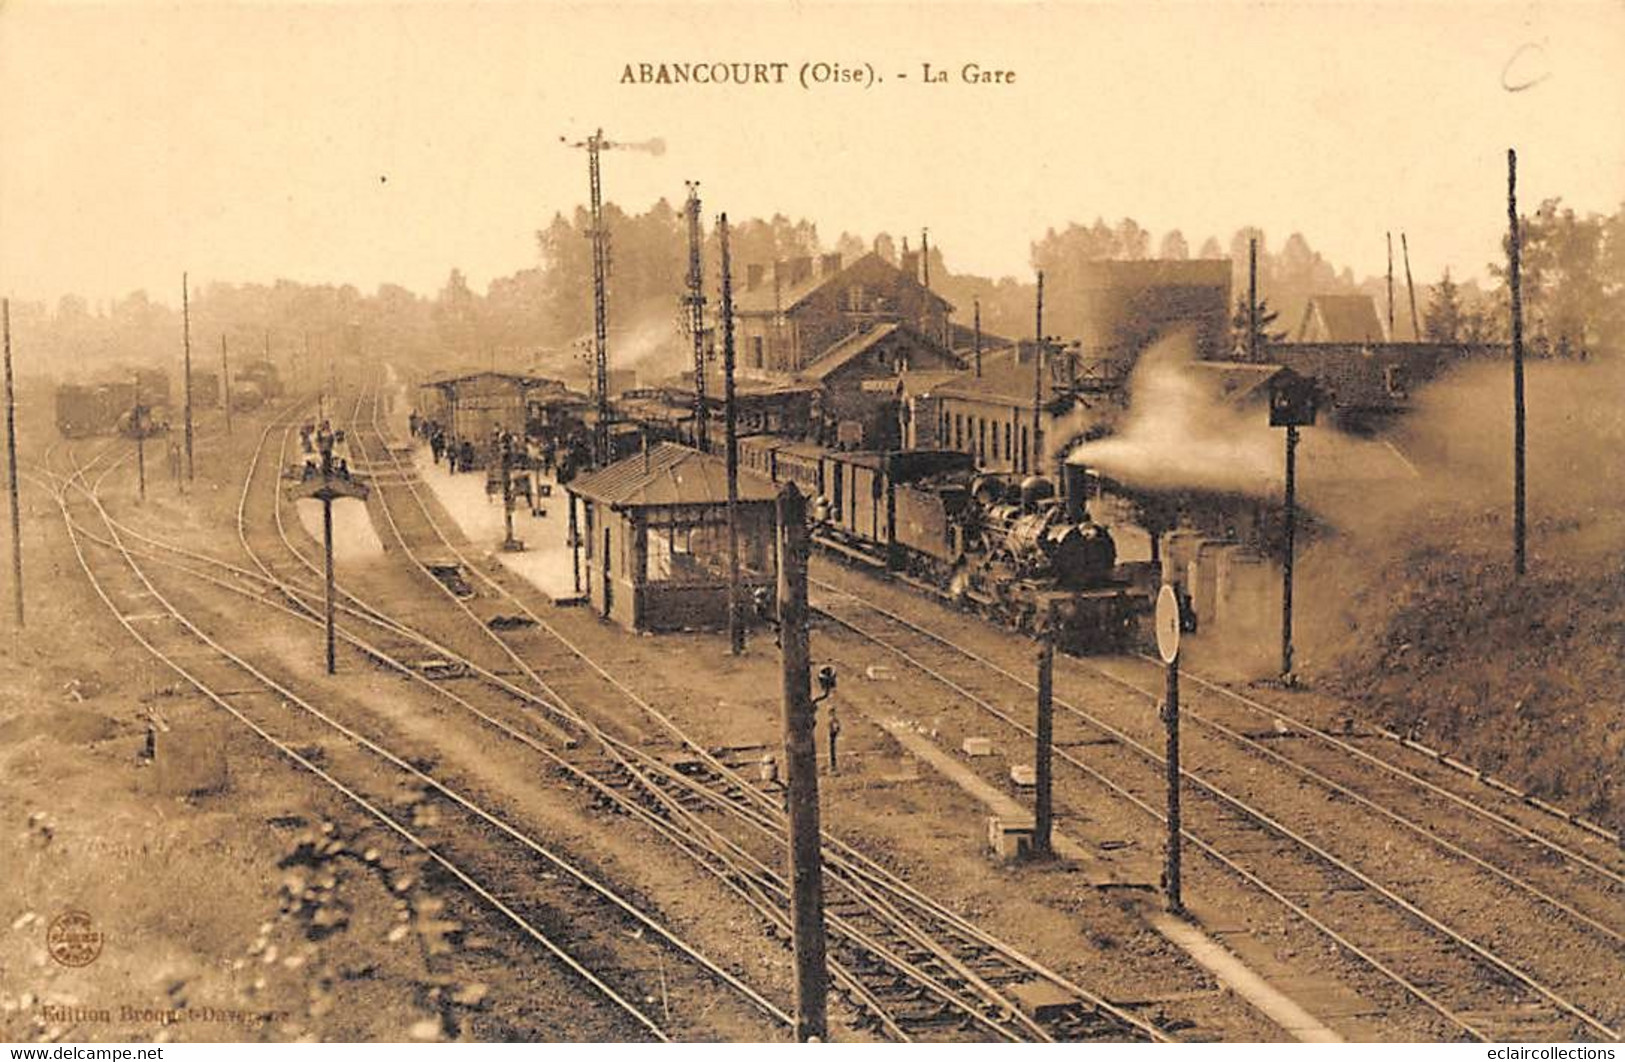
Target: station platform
(545, 561)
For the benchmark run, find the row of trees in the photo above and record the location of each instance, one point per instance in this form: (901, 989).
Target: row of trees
(1573, 291)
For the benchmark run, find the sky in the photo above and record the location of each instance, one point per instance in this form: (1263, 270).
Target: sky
(367, 143)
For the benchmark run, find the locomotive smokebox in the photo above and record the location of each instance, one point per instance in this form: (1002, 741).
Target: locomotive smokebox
(1074, 478)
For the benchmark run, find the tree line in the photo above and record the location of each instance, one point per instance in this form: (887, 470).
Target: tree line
(1573, 293)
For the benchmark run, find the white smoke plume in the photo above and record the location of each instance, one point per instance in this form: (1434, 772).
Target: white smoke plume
(1182, 434)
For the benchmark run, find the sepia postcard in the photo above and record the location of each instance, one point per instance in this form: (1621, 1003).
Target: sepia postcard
(966, 522)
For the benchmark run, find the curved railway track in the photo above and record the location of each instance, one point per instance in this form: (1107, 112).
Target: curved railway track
(881, 925)
(458, 836)
(1455, 976)
(907, 964)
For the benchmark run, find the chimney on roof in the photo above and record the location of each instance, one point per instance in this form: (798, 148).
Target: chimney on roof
(801, 269)
(910, 264)
(829, 264)
(781, 273)
(753, 276)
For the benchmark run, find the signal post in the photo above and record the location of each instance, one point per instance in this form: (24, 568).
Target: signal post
(326, 486)
(1168, 630)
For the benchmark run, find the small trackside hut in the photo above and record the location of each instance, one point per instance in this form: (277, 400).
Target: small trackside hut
(653, 539)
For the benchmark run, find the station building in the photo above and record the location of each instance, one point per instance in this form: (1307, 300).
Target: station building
(652, 538)
(470, 404)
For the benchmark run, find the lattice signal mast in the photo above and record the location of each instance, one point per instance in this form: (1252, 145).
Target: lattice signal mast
(696, 315)
(594, 145)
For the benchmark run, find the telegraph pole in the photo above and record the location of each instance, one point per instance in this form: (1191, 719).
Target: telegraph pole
(696, 318)
(225, 380)
(186, 345)
(1515, 280)
(138, 422)
(801, 763)
(1252, 298)
(925, 258)
(1405, 249)
(977, 304)
(1044, 811)
(1390, 287)
(730, 427)
(11, 461)
(600, 297)
(1038, 380)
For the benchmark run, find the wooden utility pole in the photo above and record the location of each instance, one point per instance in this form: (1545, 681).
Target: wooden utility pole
(801, 764)
(925, 258)
(1390, 287)
(1252, 298)
(11, 479)
(696, 318)
(977, 304)
(225, 380)
(186, 346)
(138, 423)
(1515, 281)
(1044, 809)
(730, 427)
(1038, 380)
(1416, 326)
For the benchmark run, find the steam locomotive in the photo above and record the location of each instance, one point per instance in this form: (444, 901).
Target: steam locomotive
(1008, 547)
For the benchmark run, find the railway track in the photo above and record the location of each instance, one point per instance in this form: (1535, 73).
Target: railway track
(912, 948)
(477, 849)
(950, 965)
(1455, 975)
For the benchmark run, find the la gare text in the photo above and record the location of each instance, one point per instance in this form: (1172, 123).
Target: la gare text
(807, 74)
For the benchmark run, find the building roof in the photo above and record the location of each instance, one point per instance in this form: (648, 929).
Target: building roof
(1237, 381)
(1342, 319)
(926, 383)
(451, 378)
(963, 337)
(853, 346)
(669, 474)
(764, 300)
(1006, 379)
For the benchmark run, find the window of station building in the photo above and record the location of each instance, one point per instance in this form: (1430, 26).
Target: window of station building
(1008, 455)
(959, 431)
(756, 355)
(1025, 464)
(981, 439)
